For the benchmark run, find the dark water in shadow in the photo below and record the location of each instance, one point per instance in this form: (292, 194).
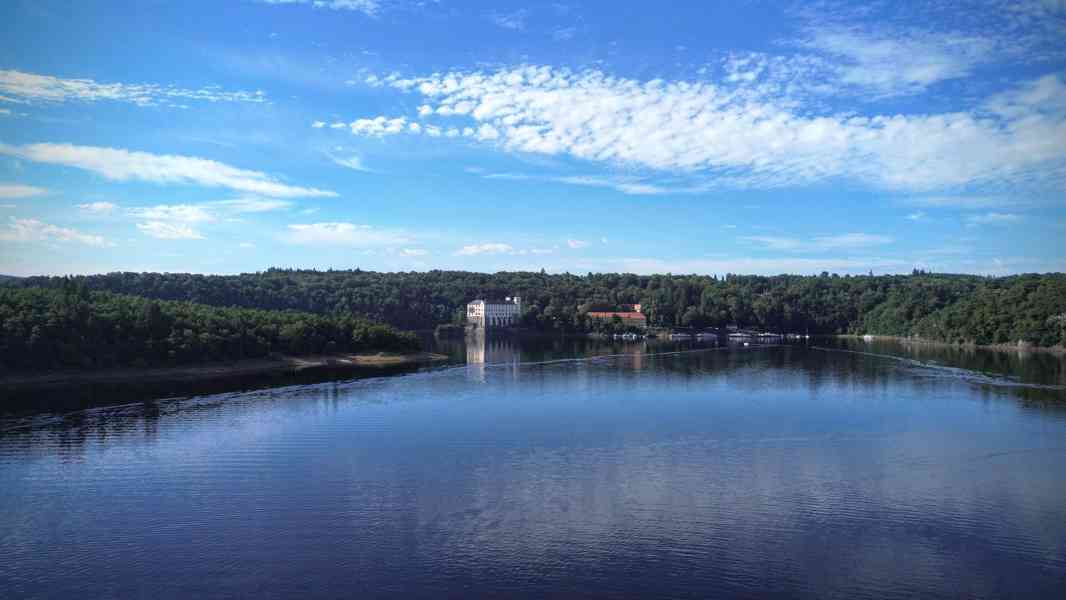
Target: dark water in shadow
(557, 467)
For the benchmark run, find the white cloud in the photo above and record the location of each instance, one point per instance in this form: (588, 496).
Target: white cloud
(352, 162)
(32, 230)
(576, 244)
(252, 204)
(564, 33)
(773, 242)
(162, 230)
(488, 248)
(959, 201)
(343, 234)
(367, 7)
(98, 208)
(169, 231)
(626, 184)
(27, 87)
(515, 20)
(246, 245)
(413, 252)
(819, 244)
(125, 165)
(737, 136)
(1046, 95)
(187, 213)
(15, 190)
(916, 216)
(379, 126)
(851, 240)
(889, 63)
(993, 218)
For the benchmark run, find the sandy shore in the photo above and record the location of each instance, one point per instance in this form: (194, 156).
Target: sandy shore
(216, 371)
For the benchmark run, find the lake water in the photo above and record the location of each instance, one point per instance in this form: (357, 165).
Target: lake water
(561, 467)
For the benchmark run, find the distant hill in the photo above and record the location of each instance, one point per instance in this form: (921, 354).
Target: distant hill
(942, 307)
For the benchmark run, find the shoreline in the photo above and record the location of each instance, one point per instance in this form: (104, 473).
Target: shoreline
(1056, 350)
(216, 371)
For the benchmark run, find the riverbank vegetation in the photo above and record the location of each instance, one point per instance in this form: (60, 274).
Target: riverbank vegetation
(939, 307)
(71, 326)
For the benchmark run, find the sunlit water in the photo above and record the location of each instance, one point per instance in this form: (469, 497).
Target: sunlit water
(746, 472)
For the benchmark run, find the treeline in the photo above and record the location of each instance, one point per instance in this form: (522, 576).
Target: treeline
(70, 326)
(954, 308)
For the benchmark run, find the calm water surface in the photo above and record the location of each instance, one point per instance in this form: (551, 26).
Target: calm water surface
(566, 468)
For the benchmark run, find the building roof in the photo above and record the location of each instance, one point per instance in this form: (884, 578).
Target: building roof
(620, 315)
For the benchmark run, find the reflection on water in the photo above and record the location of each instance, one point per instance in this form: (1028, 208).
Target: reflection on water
(567, 466)
(1027, 365)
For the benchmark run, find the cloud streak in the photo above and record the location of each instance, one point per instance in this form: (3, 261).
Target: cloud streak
(18, 86)
(845, 241)
(16, 190)
(367, 7)
(342, 234)
(118, 164)
(33, 230)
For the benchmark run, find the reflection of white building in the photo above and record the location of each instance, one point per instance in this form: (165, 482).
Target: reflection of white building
(482, 350)
(494, 314)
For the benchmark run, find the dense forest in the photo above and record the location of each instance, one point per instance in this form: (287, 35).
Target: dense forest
(951, 308)
(72, 327)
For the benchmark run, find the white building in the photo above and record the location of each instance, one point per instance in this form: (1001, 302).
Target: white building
(494, 314)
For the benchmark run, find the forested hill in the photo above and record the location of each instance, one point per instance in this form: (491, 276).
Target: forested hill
(72, 327)
(954, 308)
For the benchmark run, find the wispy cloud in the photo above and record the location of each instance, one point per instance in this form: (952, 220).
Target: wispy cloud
(124, 165)
(959, 201)
(352, 162)
(250, 204)
(564, 33)
(367, 7)
(916, 216)
(343, 234)
(173, 212)
(891, 63)
(98, 208)
(32, 87)
(628, 185)
(169, 231)
(32, 230)
(487, 248)
(515, 20)
(15, 190)
(819, 244)
(993, 218)
(577, 244)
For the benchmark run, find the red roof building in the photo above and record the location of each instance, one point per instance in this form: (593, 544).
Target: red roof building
(629, 318)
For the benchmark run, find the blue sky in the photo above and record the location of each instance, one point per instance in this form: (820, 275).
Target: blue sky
(743, 137)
